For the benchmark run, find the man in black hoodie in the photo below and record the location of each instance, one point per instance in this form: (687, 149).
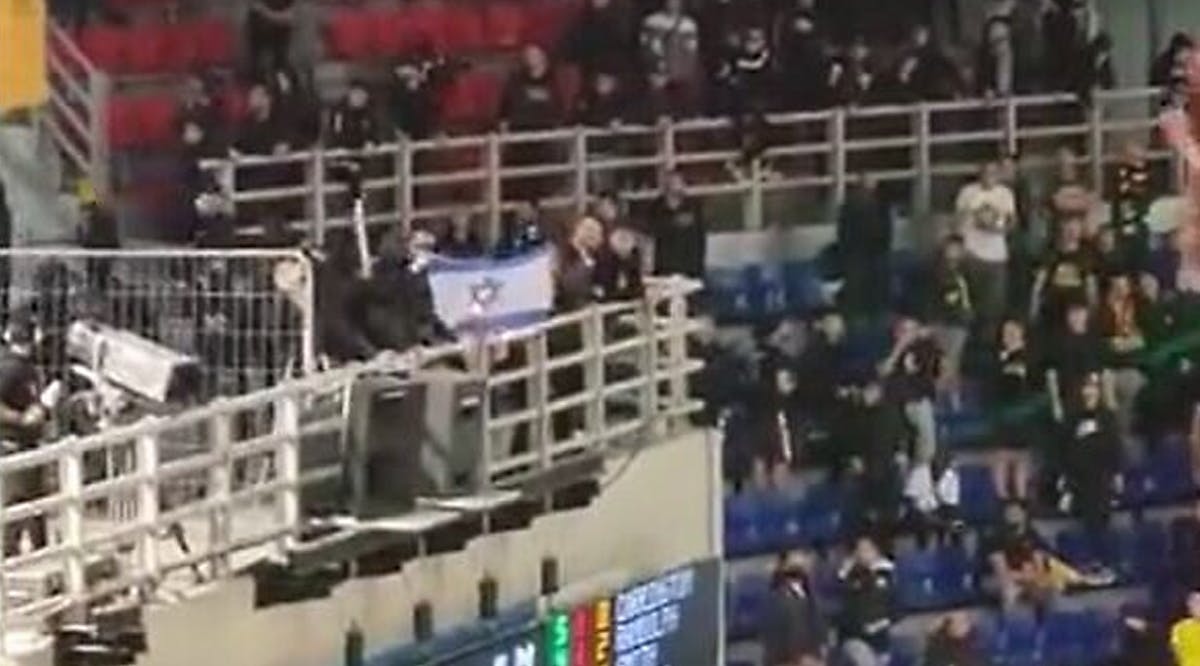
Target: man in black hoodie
(677, 226)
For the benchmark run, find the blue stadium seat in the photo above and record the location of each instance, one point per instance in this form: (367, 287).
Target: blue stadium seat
(774, 293)
(1171, 473)
(743, 525)
(728, 294)
(823, 513)
(1015, 642)
(1139, 551)
(781, 522)
(1138, 486)
(955, 582)
(1065, 635)
(803, 284)
(916, 580)
(980, 503)
(747, 596)
(1080, 549)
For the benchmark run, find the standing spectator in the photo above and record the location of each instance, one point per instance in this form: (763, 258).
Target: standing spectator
(1121, 324)
(1067, 276)
(619, 266)
(753, 78)
(670, 43)
(1068, 25)
(926, 72)
(1014, 393)
(677, 226)
(865, 626)
(198, 121)
(529, 101)
(954, 643)
(412, 88)
(1166, 71)
(911, 371)
(878, 437)
(1075, 355)
(802, 56)
(352, 124)
(269, 27)
(996, 63)
(1092, 461)
(459, 238)
(853, 79)
(986, 210)
(830, 402)
(1070, 196)
(1131, 205)
(604, 103)
(600, 40)
(951, 310)
(575, 280)
(1185, 634)
(780, 433)
(1096, 68)
(864, 245)
(794, 628)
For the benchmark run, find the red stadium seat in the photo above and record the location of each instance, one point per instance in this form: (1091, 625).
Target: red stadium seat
(158, 118)
(232, 103)
(568, 83)
(547, 20)
(394, 33)
(472, 98)
(505, 24)
(462, 29)
(104, 46)
(214, 43)
(148, 49)
(122, 123)
(350, 34)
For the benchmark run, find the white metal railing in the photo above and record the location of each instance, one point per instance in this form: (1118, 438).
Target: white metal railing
(814, 152)
(78, 107)
(229, 495)
(221, 306)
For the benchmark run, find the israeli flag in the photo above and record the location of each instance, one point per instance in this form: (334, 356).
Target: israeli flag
(493, 293)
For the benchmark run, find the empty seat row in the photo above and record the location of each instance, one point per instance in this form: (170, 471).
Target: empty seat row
(451, 29)
(159, 49)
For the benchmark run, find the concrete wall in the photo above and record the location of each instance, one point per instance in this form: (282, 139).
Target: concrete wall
(661, 511)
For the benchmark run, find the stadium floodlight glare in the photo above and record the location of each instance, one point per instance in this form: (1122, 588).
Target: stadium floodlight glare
(132, 362)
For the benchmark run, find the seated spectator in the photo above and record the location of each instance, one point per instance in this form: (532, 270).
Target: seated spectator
(601, 40)
(926, 72)
(954, 643)
(794, 629)
(1022, 567)
(1121, 322)
(868, 604)
(1073, 357)
(352, 123)
(670, 46)
(458, 238)
(677, 226)
(269, 27)
(1015, 402)
(933, 493)
(1091, 461)
(1067, 276)
(1185, 634)
(951, 312)
(911, 371)
(619, 267)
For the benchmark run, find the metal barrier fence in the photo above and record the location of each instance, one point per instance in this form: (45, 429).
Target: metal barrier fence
(76, 116)
(201, 497)
(815, 154)
(221, 306)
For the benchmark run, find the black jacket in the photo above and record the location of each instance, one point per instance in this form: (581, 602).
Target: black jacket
(680, 241)
(793, 625)
(867, 601)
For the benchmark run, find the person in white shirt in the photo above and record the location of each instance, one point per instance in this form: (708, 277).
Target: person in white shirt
(986, 211)
(933, 493)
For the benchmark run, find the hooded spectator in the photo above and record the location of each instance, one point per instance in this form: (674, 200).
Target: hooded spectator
(677, 226)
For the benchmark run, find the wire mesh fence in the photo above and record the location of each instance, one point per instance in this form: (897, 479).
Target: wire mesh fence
(225, 308)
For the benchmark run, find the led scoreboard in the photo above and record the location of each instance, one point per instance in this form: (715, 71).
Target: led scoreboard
(670, 620)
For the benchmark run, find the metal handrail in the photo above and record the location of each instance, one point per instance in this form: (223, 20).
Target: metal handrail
(236, 492)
